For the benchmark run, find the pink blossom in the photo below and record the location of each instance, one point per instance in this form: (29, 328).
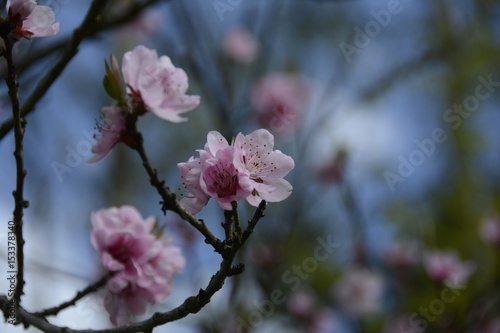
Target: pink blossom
(214, 175)
(154, 84)
(266, 167)
(190, 177)
(122, 237)
(144, 265)
(240, 45)
(279, 100)
(113, 130)
(446, 266)
(128, 296)
(221, 179)
(490, 230)
(359, 291)
(31, 20)
(248, 168)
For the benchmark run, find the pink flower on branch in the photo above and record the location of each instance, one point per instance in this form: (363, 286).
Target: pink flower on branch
(446, 266)
(144, 264)
(248, 168)
(265, 166)
(31, 20)
(112, 129)
(155, 84)
(221, 180)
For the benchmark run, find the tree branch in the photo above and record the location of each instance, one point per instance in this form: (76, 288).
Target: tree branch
(192, 304)
(169, 201)
(81, 294)
(70, 51)
(98, 27)
(259, 213)
(19, 202)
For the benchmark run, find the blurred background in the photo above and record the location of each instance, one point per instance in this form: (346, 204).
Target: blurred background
(390, 110)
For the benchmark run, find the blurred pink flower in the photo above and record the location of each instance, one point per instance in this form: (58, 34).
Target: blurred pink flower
(112, 131)
(31, 20)
(154, 84)
(402, 255)
(122, 237)
(301, 304)
(490, 230)
(359, 291)
(279, 100)
(446, 266)
(248, 168)
(146, 23)
(240, 45)
(144, 265)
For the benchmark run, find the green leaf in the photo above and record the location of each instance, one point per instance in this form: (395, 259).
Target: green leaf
(112, 82)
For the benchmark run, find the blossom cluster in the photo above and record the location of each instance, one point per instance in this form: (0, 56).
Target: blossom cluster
(143, 264)
(247, 168)
(151, 84)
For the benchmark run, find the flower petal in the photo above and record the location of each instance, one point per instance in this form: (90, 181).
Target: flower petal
(136, 62)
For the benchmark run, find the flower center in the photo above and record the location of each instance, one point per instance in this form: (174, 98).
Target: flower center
(224, 179)
(258, 167)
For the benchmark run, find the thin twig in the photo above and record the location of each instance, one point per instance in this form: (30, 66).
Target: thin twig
(228, 224)
(81, 294)
(169, 201)
(259, 213)
(99, 27)
(237, 222)
(20, 203)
